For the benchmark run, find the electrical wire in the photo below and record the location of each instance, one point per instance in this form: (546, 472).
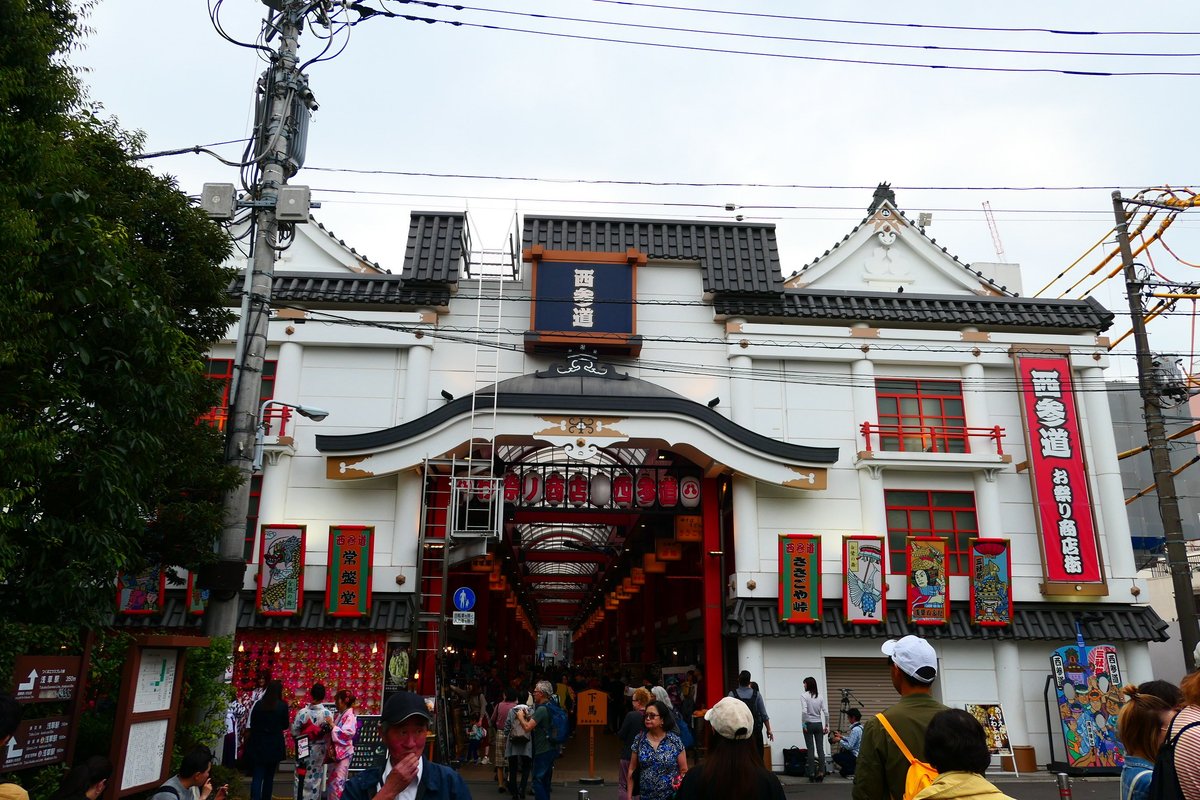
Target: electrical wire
(371, 13)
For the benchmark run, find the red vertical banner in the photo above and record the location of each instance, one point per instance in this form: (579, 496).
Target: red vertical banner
(348, 582)
(1058, 477)
(928, 586)
(197, 598)
(799, 578)
(281, 573)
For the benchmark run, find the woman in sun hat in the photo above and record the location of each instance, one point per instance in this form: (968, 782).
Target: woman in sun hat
(732, 767)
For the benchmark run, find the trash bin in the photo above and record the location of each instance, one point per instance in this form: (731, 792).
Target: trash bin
(1025, 757)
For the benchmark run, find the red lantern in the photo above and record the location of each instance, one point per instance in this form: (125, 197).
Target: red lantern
(689, 491)
(622, 490)
(577, 489)
(483, 489)
(512, 487)
(646, 490)
(668, 491)
(531, 488)
(556, 489)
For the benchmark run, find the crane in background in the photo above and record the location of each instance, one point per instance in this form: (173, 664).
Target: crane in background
(991, 221)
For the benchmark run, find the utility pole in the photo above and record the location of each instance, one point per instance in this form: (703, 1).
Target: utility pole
(282, 83)
(1160, 458)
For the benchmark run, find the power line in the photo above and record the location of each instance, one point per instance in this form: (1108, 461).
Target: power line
(370, 13)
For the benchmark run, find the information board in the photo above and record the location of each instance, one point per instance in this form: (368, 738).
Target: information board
(46, 678)
(144, 753)
(591, 708)
(155, 680)
(369, 749)
(36, 742)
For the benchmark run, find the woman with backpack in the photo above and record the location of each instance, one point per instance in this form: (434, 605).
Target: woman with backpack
(345, 728)
(1140, 727)
(1177, 771)
(816, 727)
(956, 746)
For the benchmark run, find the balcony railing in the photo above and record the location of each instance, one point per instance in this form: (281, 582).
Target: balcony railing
(277, 418)
(927, 438)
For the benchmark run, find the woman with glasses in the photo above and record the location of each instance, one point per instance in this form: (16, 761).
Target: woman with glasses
(657, 758)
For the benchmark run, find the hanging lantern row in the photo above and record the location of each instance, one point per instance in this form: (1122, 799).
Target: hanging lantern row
(647, 490)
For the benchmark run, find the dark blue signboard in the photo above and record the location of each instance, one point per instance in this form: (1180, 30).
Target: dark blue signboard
(584, 298)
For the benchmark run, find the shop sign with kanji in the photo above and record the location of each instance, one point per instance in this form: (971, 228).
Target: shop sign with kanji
(348, 584)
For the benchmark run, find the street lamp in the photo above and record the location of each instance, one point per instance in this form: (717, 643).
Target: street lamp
(260, 432)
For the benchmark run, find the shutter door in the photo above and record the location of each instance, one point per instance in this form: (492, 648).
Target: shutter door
(870, 686)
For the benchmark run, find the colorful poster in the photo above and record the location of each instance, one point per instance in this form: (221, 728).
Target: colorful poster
(991, 582)
(1087, 682)
(197, 599)
(1058, 476)
(348, 581)
(141, 593)
(281, 573)
(928, 590)
(863, 601)
(991, 717)
(799, 578)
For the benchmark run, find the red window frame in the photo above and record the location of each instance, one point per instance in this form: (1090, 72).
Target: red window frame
(221, 369)
(919, 512)
(921, 415)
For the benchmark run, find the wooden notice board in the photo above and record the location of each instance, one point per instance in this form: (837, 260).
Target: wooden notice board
(591, 708)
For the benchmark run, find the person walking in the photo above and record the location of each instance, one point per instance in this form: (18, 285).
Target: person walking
(1183, 733)
(537, 725)
(405, 773)
(658, 752)
(731, 768)
(753, 699)
(499, 728)
(882, 767)
(816, 726)
(956, 746)
(633, 724)
(265, 746)
(518, 749)
(314, 722)
(847, 758)
(345, 728)
(1141, 725)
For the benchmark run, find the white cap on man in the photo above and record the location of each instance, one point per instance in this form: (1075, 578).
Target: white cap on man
(914, 656)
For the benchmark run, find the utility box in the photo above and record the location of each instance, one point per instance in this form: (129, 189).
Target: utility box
(293, 204)
(218, 200)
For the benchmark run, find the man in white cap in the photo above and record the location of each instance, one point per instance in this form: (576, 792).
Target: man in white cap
(406, 774)
(882, 768)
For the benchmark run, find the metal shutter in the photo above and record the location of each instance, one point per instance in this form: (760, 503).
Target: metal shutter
(867, 679)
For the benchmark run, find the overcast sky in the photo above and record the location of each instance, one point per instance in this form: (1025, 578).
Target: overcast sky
(414, 97)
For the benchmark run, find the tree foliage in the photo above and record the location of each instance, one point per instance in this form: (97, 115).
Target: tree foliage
(114, 293)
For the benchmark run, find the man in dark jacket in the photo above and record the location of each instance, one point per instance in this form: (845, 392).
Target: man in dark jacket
(406, 774)
(882, 768)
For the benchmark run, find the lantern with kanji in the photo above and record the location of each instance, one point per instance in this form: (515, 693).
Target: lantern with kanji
(556, 489)
(622, 490)
(577, 489)
(689, 491)
(645, 490)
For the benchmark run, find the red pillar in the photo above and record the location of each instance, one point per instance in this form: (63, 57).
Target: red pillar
(713, 585)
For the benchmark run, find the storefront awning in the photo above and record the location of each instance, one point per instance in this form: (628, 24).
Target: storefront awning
(1105, 622)
(389, 613)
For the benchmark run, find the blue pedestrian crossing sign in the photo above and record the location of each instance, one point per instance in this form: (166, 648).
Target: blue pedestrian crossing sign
(464, 598)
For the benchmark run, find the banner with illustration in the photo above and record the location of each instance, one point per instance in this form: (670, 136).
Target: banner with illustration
(991, 582)
(928, 589)
(1087, 683)
(281, 573)
(799, 578)
(197, 598)
(141, 593)
(991, 717)
(348, 581)
(863, 601)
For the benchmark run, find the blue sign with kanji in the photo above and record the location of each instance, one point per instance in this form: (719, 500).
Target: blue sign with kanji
(583, 297)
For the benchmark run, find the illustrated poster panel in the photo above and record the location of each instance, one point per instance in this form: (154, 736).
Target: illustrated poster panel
(197, 598)
(348, 585)
(1057, 471)
(991, 717)
(799, 578)
(928, 596)
(991, 582)
(396, 671)
(1087, 683)
(281, 573)
(863, 602)
(141, 593)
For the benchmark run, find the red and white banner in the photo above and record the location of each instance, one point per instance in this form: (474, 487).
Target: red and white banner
(1058, 475)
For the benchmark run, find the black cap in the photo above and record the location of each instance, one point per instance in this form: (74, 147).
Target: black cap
(403, 705)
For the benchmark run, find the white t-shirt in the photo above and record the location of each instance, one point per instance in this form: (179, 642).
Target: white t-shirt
(815, 709)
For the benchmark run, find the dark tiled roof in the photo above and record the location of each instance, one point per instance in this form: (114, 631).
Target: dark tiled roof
(736, 257)
(1031, 621)
(437, 245)
(341, 289)
(988, 313)
(389, 612)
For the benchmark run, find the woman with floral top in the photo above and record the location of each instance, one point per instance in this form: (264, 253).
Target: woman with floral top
(659, 753)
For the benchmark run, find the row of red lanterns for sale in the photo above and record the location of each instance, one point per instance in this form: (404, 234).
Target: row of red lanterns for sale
(646, 490)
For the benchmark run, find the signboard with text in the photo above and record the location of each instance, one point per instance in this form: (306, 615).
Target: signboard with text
(584, 298)
(36, 742)
(1058, 476)
(799, 578)
(46, 678)
(591, 708)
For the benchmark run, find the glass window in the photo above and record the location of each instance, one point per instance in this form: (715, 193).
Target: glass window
(921, 416)
(921, 513)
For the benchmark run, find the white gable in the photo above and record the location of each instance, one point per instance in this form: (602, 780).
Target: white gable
(315, 249)
(887, 253)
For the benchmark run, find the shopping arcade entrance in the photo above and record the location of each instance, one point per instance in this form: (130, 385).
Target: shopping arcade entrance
(579, 409)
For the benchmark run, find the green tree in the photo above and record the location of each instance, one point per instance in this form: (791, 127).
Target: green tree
(114, 293)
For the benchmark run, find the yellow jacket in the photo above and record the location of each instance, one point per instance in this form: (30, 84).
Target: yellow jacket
(961, 786)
